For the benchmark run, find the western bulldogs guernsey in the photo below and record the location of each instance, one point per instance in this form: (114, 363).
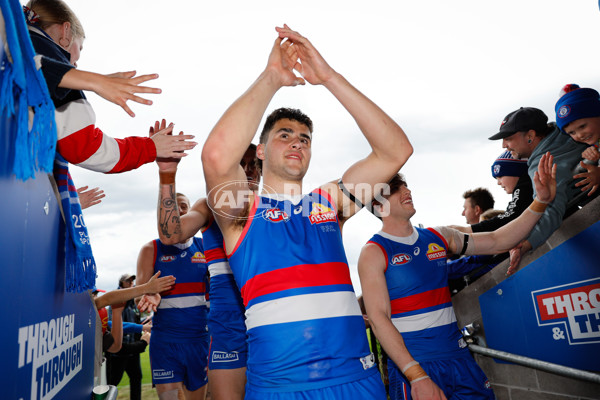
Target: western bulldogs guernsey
(223, 291)
(305, 328)
(181, 315)
(417, 282)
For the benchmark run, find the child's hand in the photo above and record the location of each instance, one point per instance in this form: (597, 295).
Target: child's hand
(168, 146)
(590, 180)
(120, 87)
(158, 285)
(591, 153)
(88, 198)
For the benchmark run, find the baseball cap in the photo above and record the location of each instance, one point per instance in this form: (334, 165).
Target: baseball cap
(523, 119)
(126, 277)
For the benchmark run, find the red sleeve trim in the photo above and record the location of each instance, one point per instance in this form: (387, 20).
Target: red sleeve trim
(440, 236)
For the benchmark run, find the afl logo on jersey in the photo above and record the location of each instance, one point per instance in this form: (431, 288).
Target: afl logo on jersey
(198, 257)
(400, 259)
(168, 258)
(435, 251)
(275, 215)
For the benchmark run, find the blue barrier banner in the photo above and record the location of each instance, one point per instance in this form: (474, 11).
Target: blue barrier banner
(48, 335)
(550, 310)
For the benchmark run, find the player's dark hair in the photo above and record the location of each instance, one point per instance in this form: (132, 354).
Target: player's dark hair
(282, 113)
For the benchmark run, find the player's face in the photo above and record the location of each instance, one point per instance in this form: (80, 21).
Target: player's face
(517, 145)
(401, 203)
(508, 183)
(470, 212)
(250, 169)
(585, 130)
(183, 204)
(288, 149)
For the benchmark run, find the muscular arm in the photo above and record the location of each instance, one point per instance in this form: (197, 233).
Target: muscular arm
(463, 229)
(145, 263)
(145, 269)
(371, 269)
(229, 139)
(173, 228)
(506, 237)
(390, 147)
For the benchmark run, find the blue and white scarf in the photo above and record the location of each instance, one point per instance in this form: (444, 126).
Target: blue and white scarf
(23, 88)
(80, 268)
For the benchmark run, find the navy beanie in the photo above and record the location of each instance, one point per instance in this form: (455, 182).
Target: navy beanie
(580, 103)
(506, 165)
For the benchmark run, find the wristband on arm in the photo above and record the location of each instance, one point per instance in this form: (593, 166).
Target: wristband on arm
(537, 207)
(166, 178)
(413, 372)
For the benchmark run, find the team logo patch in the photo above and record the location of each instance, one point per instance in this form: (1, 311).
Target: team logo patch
(221, 356)
(275, 215)
(563, 111)
(402, 258)
(368, 361)
(198, 257)
(574, 307)
(320, 214)
(167, 258)
(502, 123)
(435, 251)
(496, 169)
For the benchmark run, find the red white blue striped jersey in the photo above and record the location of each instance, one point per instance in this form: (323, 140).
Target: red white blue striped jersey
(305, 328)
(182, 313)
(417, 282)
(223, 292)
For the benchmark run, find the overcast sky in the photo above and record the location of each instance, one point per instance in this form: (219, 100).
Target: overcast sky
(447, 71)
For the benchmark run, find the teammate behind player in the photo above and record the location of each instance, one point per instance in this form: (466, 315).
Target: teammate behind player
(179, 346)
(228, 348)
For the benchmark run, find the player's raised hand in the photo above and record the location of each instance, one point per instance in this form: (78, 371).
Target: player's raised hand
(312, 66)
(282, 61)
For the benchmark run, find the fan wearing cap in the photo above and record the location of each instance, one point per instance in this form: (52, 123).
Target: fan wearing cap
(578, 115)
(526, 134)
